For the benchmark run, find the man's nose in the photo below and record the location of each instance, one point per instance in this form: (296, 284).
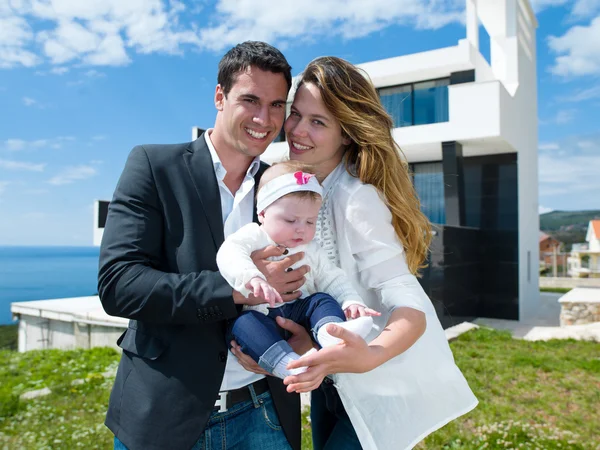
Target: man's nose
(261, 117)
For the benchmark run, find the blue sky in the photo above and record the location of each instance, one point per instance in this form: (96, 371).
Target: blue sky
(82, 82)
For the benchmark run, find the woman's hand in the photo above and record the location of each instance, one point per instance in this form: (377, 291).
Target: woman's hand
(351, 356)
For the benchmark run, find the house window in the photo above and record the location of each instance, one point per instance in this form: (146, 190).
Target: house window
(417, 103)
(397, 101)
(431, 102)
(428, 179)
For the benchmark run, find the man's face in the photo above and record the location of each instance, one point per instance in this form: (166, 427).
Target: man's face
(251, 115)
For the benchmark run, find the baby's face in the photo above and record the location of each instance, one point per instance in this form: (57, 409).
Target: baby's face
(291, 221)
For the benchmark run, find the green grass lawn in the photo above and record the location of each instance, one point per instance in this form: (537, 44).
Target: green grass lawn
(556, 290)
(533, 395)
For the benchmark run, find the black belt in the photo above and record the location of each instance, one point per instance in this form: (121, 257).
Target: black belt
(229, 398)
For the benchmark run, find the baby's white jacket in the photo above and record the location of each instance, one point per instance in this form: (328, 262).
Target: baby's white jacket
(236, 266)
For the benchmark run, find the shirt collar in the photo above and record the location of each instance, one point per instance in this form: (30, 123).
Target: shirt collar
(220, 171)
(331, 179)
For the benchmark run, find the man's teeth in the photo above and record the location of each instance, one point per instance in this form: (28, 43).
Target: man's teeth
(255, 134)
(301, 147)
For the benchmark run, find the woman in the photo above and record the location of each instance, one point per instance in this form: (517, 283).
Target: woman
(403, 384)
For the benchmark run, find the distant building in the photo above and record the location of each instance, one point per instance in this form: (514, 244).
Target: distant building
(549, 249)
(585, 258)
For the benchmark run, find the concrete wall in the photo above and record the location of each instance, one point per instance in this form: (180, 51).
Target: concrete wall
(567, 282)
(37, 333)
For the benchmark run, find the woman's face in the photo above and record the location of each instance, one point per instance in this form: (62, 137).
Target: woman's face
(313, 134)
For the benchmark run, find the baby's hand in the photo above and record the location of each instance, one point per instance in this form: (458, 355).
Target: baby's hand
(354, 311)
(262, 289)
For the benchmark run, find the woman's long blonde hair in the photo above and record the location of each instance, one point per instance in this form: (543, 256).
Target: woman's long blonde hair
(373, 154)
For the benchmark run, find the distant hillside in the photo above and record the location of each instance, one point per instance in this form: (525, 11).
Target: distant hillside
(567, 226)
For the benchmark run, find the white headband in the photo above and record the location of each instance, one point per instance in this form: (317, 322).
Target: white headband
(286, 184)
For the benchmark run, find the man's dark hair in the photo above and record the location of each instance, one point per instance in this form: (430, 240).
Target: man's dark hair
(251, 53)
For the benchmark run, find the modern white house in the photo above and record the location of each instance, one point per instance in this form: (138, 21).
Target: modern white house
(584, 261)
(468, 128)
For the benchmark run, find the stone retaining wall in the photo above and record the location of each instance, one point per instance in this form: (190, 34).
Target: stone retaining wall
(579, 313)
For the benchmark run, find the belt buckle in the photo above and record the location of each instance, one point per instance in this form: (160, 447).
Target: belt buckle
(222, 401)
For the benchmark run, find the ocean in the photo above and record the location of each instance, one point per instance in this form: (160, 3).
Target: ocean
(41, 273)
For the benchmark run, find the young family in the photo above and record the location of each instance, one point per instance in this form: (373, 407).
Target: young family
(246, 285)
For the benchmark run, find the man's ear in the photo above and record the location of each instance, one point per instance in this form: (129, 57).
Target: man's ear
(219, 97)
(261, 216)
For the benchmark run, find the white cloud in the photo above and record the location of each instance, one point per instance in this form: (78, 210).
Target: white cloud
(578, 50)
(36, 191)
(15, 34)
(582, 95)
(15, 145)
(99, 137)
(544, 210)
(72, 174)
(59, 70)
(94, 33)
(19, 165)
(585, 8)
(570, 177)
(3, 185)
(105, 33)
(292, 21)
(34, 215)
(549, 146)
(94, 74)
(588, 144)
(27, 101)
(562, 117)
(540, 5)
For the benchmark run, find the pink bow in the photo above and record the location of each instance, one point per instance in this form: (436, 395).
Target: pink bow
(302, 178)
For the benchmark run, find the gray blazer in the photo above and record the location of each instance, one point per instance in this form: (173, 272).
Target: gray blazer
(158, 268)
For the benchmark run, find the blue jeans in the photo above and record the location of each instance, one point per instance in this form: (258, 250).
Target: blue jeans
(251, 425)
(331, 426)
(260, 337)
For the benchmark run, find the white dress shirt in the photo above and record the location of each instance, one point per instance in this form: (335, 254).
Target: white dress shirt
(400, 402)
(237, 267)
(237, 210)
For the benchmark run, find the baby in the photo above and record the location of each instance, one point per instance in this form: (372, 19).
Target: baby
(288, 203)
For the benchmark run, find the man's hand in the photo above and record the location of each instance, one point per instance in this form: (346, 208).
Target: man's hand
(300, 343)
(300, 340)
(355, 311)
(262, 289)
(283, 281)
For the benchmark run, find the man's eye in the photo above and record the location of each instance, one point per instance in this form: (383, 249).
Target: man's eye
(289, 221)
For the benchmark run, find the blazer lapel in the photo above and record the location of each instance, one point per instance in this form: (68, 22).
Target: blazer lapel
(261, 169)
(200, 167)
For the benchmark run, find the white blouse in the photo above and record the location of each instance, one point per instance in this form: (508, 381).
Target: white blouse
(399, 403)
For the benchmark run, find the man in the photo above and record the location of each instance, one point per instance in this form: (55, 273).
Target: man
(177, 387)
